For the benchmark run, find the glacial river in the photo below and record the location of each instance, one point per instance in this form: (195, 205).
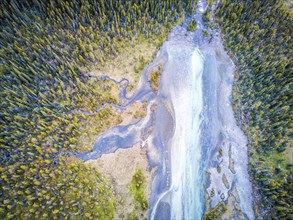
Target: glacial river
(194, 121)
(183, 78)
(181, 93)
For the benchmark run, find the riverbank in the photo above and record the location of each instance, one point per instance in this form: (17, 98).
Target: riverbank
(227, 169)
(129, 141)
(241, 122)
(261, 98)
(119, 168)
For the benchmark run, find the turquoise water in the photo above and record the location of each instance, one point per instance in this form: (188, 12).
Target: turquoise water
(182, 77)
(186, 202)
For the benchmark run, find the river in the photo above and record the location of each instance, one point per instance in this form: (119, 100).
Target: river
(182, 78)
(194, 129)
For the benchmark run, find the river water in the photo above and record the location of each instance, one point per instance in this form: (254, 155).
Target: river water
(196, 89)
(183, 78)
(193, 122)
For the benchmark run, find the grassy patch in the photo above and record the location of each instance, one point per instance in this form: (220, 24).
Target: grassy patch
(205, 33)
(192, 26)
(154, 79)
(95, 125)
(215, 213)
(137, 189)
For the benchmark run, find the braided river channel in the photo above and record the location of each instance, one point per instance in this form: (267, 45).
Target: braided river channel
(194, 121)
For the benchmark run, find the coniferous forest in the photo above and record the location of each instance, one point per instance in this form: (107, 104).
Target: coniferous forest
(47, 97)
(46, 49)
(259, 37)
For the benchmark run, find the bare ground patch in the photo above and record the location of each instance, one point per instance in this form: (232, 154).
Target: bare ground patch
(119, 168)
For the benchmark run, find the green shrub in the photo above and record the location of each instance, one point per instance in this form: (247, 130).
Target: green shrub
(137, 187)
(192, 26)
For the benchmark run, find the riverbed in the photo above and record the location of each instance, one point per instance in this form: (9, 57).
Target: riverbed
(192, 138)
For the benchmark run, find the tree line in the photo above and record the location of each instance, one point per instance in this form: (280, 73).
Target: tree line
(47, 48)
(258, 35)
